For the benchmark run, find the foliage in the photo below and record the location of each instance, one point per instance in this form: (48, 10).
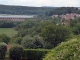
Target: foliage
(57, 20)
(32, 27)
(32, 42)
(4, 38)
(21, 33)
(69, 50)
(23, 10)
(16, 52)
(55, 34)
(76, 29)
(34, 54)
(48, 45)
(27, 42)
(62, 10)
(18, 40)
(38, 42)
(27, 28)
(75, 26)
(3, 49)
(6, 24)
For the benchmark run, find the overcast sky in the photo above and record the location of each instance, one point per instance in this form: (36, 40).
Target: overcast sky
(39, 3)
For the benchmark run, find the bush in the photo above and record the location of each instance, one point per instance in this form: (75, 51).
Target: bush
(38, 42)
(21, 33)
(32, 42)
(3, 49)
(16, 52)
(4, 38)
(18, 40)
(34, 54)
(66, 51)
(27, 42)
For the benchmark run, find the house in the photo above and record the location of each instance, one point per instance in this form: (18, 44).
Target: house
(69, 16)
(66, 17)
(53, 16)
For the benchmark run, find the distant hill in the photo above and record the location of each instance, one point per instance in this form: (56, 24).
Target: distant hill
(63, 10)
(24, 10)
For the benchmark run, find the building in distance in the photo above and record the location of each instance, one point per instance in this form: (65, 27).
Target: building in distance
(15, 17)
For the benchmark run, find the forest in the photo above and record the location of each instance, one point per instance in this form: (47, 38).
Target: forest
(23, 10)
(63, 10)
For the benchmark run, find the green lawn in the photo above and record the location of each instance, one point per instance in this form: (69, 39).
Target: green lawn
(9, 31)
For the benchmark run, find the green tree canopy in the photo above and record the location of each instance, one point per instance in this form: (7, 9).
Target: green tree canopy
(55, 34)
(4, 38)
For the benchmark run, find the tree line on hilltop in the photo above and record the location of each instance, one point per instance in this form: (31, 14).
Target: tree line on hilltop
(23, 10)
(63, 10)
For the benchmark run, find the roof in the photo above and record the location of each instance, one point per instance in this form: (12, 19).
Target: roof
(16, 16)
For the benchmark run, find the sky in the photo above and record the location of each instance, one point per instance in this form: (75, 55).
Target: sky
(40, 3)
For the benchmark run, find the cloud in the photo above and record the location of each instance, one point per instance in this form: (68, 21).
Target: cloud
(42, 2)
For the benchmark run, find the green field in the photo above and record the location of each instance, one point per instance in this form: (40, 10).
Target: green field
(9, 31)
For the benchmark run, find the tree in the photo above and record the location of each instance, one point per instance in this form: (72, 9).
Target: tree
(38, 43)
(55, 34)
(21, 33)
(76, 29)
(32, 42)
(4, 38)
(18, 40)
(27, 42)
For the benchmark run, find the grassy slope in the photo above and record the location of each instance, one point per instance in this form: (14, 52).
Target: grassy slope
(9, 31)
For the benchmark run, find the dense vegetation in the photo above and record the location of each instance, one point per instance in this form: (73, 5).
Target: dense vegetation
(8, 24)
(66, 51)
(63, 10)
(5, 9)
(31, 54)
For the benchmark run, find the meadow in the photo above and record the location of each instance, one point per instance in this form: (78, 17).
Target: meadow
(9, 31)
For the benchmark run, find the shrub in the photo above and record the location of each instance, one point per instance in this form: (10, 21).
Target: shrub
(32, 42)
(38, 42)
(16, 52)
(66, 51)
(3, 49)
(4, 38)
(18, 40)
(34, 54)
(21, 33)
(27, 42)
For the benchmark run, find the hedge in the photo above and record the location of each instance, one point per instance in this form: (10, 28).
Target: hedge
(35, 54)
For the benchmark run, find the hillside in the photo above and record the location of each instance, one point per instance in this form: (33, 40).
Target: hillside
(7, 9)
